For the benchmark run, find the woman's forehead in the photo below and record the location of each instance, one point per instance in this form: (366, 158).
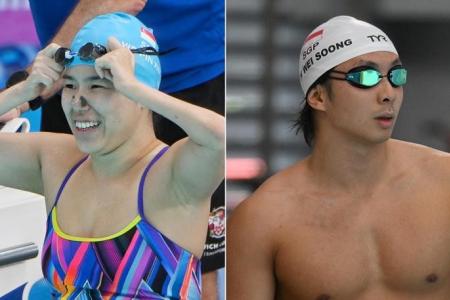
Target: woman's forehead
(81, 73)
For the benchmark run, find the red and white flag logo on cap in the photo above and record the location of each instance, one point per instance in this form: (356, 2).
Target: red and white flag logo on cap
(147, 35)
(313, 35)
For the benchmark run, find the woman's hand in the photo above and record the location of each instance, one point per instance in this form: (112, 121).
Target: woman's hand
(44, 74)
(117, 65)
(12, 114)
(42, 80)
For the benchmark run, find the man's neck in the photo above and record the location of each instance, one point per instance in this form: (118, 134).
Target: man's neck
(347, 166)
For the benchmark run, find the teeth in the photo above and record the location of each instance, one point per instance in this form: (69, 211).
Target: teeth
(86, 124)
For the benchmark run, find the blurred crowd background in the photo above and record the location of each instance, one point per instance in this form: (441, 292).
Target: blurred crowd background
(18, 45)
(264, 97)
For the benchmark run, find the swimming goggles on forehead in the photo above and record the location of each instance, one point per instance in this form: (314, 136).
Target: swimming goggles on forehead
(90, 52)
(365, 77)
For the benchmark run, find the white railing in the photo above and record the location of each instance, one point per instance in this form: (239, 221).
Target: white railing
(16, 125)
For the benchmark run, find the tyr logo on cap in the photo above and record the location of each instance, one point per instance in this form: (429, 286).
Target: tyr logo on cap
(378, 38)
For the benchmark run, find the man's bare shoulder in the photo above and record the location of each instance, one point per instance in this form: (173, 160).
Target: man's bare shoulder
(273, 202)
(281, 188)
(429, 161)
(418, 149)
(428, 168)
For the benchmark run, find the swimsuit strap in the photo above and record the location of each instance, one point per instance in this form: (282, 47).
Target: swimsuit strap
(66, 179)
(142, 181)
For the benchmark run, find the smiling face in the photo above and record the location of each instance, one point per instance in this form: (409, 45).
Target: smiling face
(100, 118)
(366, 115)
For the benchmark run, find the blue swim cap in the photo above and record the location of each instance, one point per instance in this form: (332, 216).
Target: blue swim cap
(131, 33)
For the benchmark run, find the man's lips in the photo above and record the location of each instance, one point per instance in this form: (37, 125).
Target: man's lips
(385, 116)
(385, 120)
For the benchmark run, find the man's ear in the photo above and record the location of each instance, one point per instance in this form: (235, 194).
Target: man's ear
(318, 98)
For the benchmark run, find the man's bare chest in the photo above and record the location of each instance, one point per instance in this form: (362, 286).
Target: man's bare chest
(344, 252)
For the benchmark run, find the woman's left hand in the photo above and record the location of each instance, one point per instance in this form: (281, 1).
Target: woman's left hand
(117, 65)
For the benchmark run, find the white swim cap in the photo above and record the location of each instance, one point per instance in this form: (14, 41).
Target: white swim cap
(336, 41)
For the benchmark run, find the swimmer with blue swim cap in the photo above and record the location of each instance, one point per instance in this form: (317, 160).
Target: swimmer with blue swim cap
(129, 31)
(127, 213)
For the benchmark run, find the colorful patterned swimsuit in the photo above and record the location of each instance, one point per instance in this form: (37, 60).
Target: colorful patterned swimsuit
(138, 262)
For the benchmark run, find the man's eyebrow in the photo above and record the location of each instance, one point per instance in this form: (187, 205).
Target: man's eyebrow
(396, 61)
(363, 62)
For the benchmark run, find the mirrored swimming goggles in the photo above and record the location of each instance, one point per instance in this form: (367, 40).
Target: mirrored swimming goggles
(365, 77)
(90, 52)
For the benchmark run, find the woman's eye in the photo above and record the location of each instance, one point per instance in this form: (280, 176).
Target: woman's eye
(97, 87)
(68, 86)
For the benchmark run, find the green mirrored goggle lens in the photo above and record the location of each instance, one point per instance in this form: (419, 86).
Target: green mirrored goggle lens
(366, 78)
(398, 76)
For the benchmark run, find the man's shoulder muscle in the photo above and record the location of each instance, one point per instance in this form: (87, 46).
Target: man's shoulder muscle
(271, 204)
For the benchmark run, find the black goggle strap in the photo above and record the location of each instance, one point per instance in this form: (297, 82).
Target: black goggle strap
(92, 51)
(150, 51)
(338, 72)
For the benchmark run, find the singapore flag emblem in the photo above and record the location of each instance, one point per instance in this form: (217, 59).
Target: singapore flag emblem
(147, 35)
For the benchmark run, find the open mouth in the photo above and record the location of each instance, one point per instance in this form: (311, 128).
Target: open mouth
(86, 125)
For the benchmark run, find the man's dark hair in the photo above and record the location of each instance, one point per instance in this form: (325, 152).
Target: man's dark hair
(305, 120)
